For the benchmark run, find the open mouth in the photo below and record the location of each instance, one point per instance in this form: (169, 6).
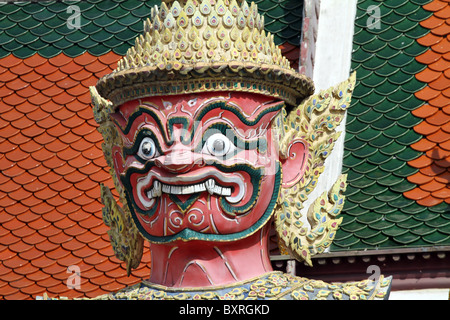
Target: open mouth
(209, 185)
(153, 186)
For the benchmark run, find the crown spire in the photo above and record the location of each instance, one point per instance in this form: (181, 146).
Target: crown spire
(204, 45)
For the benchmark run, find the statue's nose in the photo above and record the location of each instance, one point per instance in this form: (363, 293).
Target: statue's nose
(179, 159)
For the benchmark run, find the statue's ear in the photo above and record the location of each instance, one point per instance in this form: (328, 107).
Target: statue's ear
(117, 157)
(294, 163)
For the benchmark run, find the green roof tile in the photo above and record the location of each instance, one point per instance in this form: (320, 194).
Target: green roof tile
(445, 229)
(372, 204)
(365, 152)
(436, 238)
(407, 238)
(402, 187)
(364, 168)
(370, 218)
(414, 209)
(358, 211)
(423, 230)
(360, 198)
(376, 240)
(366, 233)
(394, 231)
(342, 243)
(378, 174)
(387, 197)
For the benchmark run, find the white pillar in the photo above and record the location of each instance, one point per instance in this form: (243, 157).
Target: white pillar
(332, 63)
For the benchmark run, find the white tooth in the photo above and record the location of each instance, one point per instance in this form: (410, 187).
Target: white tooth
(157, 188)
(226, 191)
(165, 188)
(175, 189)
(188, 189)
(218, 189)
(210, 184)
(199, 187)
(150, 194)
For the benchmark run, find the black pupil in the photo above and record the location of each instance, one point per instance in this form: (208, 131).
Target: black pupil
(147, 148)
(218, 145)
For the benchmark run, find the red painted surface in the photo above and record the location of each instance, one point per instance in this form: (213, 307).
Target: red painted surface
(177, 131)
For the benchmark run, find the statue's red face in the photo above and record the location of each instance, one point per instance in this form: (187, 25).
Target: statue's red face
(199, 166)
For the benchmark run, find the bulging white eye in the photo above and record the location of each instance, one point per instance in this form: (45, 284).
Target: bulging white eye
(147, 149)
(218, 145)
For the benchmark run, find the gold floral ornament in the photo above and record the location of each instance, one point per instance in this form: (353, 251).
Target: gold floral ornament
(125, 238)
(315, 121)
(271, 286)
(201, 46)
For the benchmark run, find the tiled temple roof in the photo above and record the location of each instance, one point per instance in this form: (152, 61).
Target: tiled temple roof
(51, 166)
(433, 177)
(385, 151)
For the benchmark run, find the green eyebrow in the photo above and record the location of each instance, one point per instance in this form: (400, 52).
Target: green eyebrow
(140, 111)
(197, 121)
(227, 107)
(228, 131)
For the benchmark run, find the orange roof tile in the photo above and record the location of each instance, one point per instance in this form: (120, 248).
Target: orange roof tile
(432, 23)
(427, 75)
(435, 5)
(442, 47)
(422, 161)
(439, 136)
(433, 186)
(429, 40)
(429, 201)
(439, 65)
(440, 83)
(443, 193)
(423, 145)
(438, 119)
(437, 154)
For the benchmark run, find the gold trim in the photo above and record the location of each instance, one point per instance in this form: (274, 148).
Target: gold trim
(197, 42)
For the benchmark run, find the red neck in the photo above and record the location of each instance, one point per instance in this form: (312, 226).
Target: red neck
(204, 264)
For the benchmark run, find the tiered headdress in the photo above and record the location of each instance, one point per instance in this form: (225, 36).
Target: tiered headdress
(201, 46)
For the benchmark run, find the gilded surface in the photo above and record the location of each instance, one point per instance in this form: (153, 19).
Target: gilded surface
(204, 46)
(271, 286)
(315, 121)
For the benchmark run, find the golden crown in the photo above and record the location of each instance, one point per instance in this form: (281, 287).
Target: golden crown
(201, 46)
